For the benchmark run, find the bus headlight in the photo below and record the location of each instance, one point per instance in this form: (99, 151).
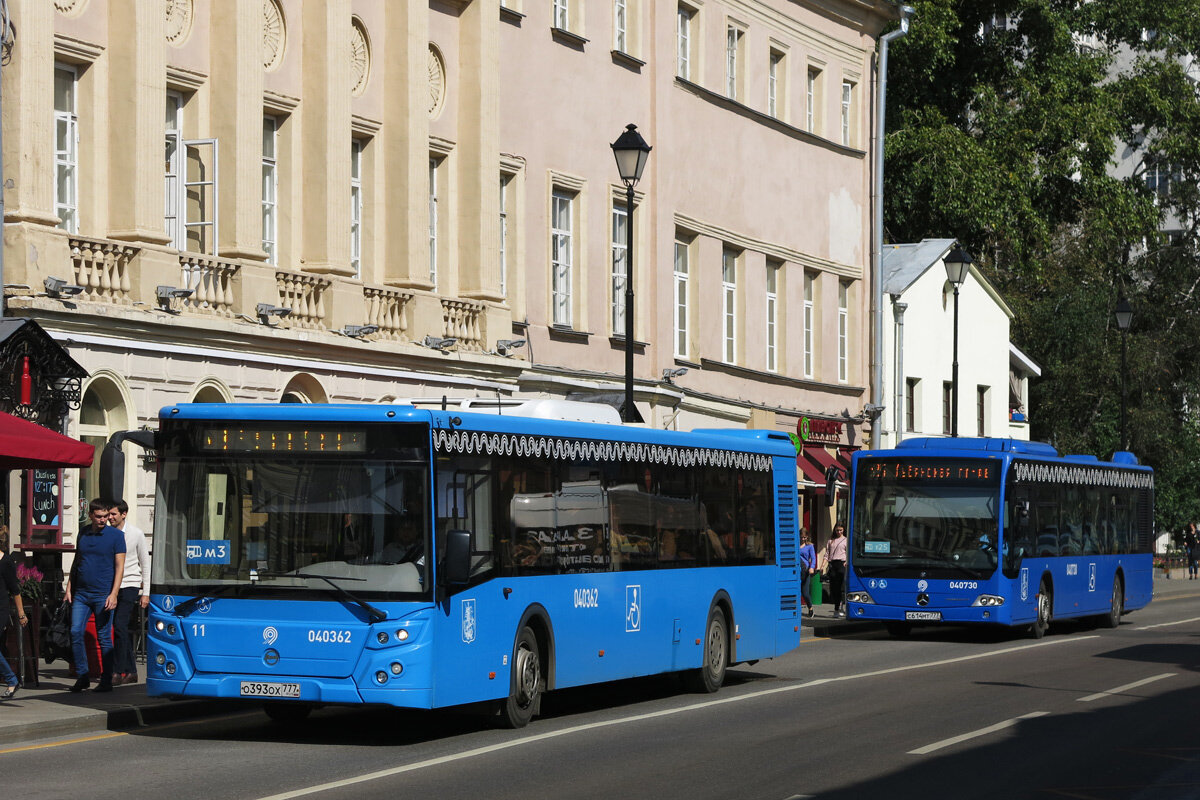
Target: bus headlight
(397, 668)
(859, 597)
(402, 635)
(988, 600)
(381, 637)
(381, 677)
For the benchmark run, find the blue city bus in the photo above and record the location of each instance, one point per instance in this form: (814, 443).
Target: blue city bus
(309, 555)
(997, 531)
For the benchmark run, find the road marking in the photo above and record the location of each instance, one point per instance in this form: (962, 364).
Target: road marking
(1124, 688)
(1168, 624)
(60, 744)
(999, 726)
(591, 726)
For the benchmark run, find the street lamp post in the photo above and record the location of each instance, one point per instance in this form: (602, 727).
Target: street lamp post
(631, 152)
(958, 263)
(1124, 320)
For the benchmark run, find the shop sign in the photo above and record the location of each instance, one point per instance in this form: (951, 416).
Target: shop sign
(815, 429)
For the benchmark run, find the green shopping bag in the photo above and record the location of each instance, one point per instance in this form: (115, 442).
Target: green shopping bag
(814, 588)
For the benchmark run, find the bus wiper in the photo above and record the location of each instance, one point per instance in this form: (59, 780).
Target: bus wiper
(188, 606)
(374, 613)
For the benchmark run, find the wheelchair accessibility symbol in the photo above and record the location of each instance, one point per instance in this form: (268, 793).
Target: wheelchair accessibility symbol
(633, 609)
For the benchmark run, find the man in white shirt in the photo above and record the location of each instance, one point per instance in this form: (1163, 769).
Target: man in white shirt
(135, 590)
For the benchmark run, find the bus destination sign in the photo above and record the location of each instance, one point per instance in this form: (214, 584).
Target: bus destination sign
(931, 470)
(282, 440)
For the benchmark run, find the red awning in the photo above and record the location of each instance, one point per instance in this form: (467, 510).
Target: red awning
(817, 459)
(25, 445)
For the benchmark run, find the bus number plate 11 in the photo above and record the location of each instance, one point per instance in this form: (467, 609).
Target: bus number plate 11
(258, 689)
(928, 616)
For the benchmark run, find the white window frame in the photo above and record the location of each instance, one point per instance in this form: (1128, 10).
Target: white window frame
(733, 60)
(772, 311)
(175, 161)
(683, 42)
(356, 206)
(621, 25)
(66, 151)
(843, 331)
(434, 164)
(270, 188)
(681, 296)
(206, 186)
(562, 14)
(847, 109)
(505, 182)
(809, 318)
(562, 243)
(729, 320)
(620, 252)
(811, 92)
(774, 83)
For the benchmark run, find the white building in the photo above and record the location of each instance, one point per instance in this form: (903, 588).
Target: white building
(919, 351)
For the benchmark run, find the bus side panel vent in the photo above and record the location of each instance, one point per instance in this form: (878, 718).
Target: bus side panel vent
(786, 545)
(787, 602)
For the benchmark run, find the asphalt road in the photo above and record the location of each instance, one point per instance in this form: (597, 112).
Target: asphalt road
(1083, 713)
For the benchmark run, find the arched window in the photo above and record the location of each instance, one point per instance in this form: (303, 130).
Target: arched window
(102, 412)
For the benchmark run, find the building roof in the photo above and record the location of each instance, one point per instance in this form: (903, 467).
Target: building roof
(903, 264)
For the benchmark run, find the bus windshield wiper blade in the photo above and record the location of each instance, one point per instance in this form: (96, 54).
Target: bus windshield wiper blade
(374, 613)
(188, 606)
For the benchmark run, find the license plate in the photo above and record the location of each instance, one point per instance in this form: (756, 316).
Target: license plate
(257, 689)
(929, 616)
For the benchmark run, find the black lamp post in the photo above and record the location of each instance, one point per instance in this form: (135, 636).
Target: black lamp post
(958, 263)
(1124, 320)
(631, 152)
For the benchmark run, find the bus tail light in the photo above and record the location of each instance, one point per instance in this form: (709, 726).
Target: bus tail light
(988, 600)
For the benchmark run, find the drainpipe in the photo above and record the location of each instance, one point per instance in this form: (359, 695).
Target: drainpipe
(877, 232)
(898, 309)
(7, 40)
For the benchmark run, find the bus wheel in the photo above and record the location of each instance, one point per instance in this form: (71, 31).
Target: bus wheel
(711, 674)
(525, 687)
(286, 713)
(898, 630)
(1042, 623)
(1113, 618)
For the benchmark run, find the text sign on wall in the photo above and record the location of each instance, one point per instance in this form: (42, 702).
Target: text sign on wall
(813, 429)
(43, 506)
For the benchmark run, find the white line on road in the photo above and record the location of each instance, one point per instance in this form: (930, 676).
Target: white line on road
(1124, 688)
(1168, 624)
(526, 740)
(999, 726)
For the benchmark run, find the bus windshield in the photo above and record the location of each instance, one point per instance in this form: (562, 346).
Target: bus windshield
(287, 523)
(916, 518)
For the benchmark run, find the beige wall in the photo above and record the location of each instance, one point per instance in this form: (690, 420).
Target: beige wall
(516, 95)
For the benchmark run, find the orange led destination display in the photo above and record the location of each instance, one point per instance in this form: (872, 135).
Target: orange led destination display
(282, 440)
(932, 470)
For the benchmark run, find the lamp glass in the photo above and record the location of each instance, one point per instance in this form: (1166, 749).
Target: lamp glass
(631, 152)
(957, 262)
(1124, 314)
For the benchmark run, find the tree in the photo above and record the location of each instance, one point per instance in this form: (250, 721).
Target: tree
(1006, 122)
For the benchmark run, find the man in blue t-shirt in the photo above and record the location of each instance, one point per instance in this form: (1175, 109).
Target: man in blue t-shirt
(92, 589)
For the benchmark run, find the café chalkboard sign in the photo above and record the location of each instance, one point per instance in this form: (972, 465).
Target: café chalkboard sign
(43, 506)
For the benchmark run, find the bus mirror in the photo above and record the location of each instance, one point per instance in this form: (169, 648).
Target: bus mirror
(831, 476)
(112, 472)
(456, 567)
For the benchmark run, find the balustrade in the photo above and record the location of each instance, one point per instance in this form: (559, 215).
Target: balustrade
(460, 320)
(388, 309)
(211, 282)
(102, 268)
(305, 296)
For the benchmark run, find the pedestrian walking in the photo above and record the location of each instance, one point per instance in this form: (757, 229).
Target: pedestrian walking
(135, 591)
(9, 588)
(835, 563)
(92, 590)
(808, 568)
(1191, 544)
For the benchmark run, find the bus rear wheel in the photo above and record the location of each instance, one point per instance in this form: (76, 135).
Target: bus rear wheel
(711, 674)
(525, 687)
(1044, 603)
(1116, 606)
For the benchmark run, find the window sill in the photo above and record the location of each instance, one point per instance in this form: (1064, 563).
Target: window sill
(564, 334)
(625, 60)
(618, 343)
(563, 36)
(511, 15)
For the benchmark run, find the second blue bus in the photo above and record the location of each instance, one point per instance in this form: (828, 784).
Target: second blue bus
(997, 531)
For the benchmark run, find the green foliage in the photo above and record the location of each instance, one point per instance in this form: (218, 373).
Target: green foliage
(1008, 139)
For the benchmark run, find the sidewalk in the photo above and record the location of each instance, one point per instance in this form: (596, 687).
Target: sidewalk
(51, 711)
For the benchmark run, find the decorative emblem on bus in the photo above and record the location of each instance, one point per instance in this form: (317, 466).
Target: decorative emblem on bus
(270, 635)
(922, 586)
(204, 606)
(168, 603)
(468, 620)
(1025, 585)
(633, 609)
(1091, 577)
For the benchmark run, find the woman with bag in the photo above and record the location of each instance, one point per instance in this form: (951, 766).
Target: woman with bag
(835, 561)
(9, 588)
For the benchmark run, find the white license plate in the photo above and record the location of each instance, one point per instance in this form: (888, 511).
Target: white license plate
(928, 616)
(258, 689)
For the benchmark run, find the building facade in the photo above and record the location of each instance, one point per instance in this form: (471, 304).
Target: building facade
(373, 200)
(993, 380)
